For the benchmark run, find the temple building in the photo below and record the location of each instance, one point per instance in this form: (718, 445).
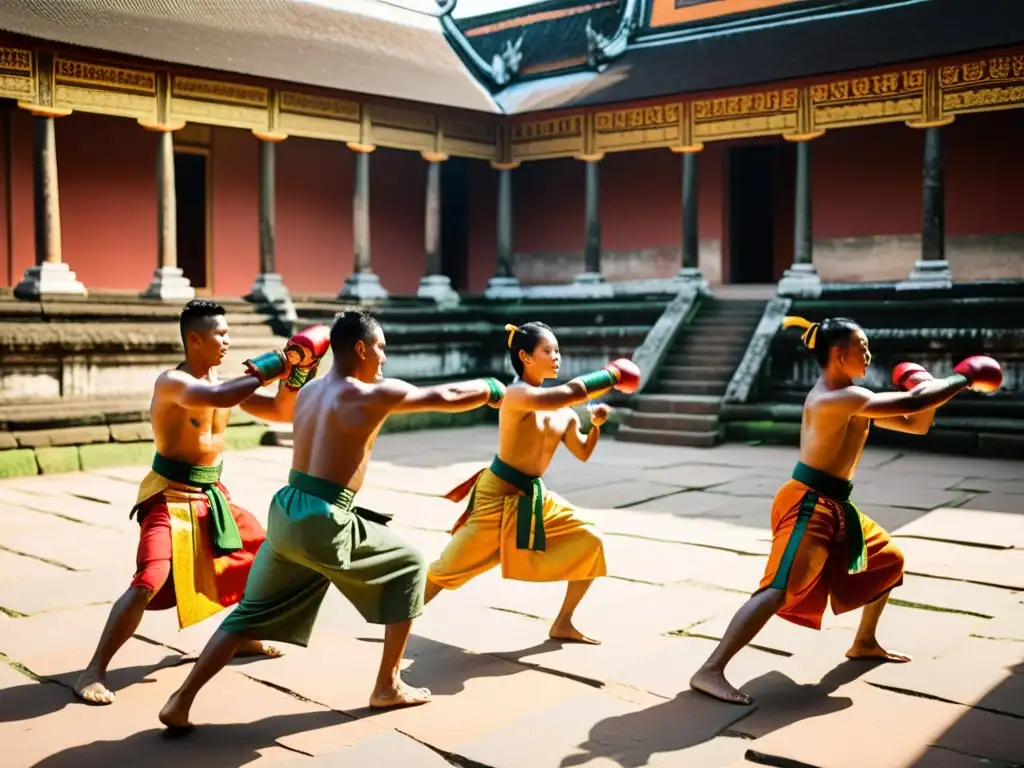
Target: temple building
(663, 178)
(362, 149)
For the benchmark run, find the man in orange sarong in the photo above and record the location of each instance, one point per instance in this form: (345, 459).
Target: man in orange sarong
(823, 548)
(195, 546)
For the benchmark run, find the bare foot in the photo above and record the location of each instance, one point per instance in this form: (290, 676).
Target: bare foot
(714, 684)
(401, 695)
(566, 632)
(256, 648)
(874, 652)
(174, 715)
(91, 688)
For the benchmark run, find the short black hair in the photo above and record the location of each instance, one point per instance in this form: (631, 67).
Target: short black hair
(821, 337)
(195, 314)
(525, 339)
(349, 327)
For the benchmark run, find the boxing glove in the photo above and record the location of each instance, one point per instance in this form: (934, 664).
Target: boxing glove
(984, 373)
(628, 375)
(909, 375)
(268, 367)
(304, 351)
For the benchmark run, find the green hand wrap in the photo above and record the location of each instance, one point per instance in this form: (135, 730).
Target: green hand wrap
(267, 366)
(299, 377)
(596, 380)
(957, 378)
(495, 389)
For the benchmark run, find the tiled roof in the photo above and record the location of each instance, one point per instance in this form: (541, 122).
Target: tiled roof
(362, 46)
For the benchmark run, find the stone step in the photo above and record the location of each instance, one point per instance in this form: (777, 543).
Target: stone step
(667, 403)
(666, 437)
(674, 422)
(684, 358)
(700, 372)
(724, 350)
(692, 387)
(737, 338)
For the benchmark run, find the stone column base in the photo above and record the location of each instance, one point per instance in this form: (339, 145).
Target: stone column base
(692, 276)
(928, 273)
(169, 284)
(49, 279)
(503, 288)
(268, 288)
(439, 289)
(363, 287)
(800, 280)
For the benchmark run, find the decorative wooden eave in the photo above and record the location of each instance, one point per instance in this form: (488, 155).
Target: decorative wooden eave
(502, 68)
(601, 49)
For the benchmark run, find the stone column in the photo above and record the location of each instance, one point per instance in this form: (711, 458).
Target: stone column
(434, 285)
(801, 279)
(690, 273)
(169, 283)
(50, 275)
(362, 285)
(932, 269)
(268, 287)
(504, 284)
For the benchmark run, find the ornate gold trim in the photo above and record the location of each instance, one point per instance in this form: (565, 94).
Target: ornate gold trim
(687, 150)
(269, 136)
(355, 146)
(593, 157)
(434, 157)
(798, 137)
(931, 123)
(41, 111)
(152, 125)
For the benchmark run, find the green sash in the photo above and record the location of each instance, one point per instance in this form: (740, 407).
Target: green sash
(838, 491)
(334, 494)
(531, 505)
(223, 527)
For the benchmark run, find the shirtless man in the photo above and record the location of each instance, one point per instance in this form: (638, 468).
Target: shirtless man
(181, 501)
(318, 537)
(823, 548)
(512, 519)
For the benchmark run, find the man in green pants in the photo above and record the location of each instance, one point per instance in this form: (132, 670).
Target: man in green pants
(317, 537)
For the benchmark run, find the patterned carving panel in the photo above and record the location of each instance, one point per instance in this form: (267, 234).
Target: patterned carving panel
(16, 75)
(318, 117)
(219, 103)
(869, 99)
(978, 86)
(748, 114)
(470, 138)
(654, 126)
(554, 137)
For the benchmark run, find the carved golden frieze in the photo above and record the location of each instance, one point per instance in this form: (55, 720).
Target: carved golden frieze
(554, 137)
(869, 99)
(81, 74)
(405, 119)
(653, 126)
(319, 106)
(469, 138)
(976, 86)
(219, 91)
(16, 75)
(748, 114)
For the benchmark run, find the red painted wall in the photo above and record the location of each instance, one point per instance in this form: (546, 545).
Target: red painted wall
(398, 188)
(482, 212)
(641, 199)
(107, 181)
(22, 227)
(984, 167)
(548, 213)
(5, 250)
(234, 218)
(314, 215)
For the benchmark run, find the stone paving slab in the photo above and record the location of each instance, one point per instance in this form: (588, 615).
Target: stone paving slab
(506, 695)
(1001, 568)
(999, 530)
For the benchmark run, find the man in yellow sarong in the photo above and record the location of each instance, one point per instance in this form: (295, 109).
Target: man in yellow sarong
(512, 519)
(195, 545)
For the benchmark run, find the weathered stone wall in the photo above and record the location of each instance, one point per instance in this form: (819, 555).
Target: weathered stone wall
(936, 329)
(76, 377)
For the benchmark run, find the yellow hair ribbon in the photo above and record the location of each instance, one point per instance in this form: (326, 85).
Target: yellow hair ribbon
(511, 332)
(810, 335)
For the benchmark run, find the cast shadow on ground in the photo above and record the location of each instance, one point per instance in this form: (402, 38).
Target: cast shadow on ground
(55, 692)
(692, 718)
(208, 746)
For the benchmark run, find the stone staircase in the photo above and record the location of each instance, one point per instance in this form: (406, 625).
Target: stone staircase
(681, 404)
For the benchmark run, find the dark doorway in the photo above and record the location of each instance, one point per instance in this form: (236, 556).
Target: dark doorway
(454, 221)
(190, 176)
(752, 182)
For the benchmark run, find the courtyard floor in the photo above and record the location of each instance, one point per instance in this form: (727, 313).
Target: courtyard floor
(687, 531)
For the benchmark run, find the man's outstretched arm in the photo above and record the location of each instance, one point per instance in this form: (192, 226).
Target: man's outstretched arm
(402, 397)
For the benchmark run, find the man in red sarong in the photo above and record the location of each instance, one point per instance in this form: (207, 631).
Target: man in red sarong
(195, 546)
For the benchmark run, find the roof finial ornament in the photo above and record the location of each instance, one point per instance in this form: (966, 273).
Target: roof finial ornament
(504, 65)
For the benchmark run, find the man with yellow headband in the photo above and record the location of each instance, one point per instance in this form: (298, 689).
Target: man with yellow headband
(512, 519)
(823, 548)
